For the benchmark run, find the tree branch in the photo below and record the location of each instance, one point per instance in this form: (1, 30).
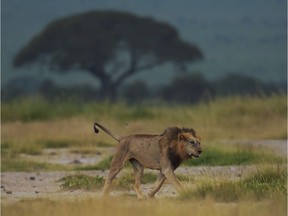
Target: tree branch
(134, 68)
(148, 66)
(131, 70)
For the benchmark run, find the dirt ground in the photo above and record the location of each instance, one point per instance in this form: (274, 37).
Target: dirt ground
(16, 186)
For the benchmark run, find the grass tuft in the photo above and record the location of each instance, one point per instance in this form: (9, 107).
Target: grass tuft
(267, 182)
(82, 182)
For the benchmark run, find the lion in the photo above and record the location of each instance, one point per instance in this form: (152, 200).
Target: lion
(163, 152)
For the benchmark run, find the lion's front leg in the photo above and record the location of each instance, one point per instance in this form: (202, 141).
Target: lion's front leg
(166, 164)
(159, 182)
(172, 178)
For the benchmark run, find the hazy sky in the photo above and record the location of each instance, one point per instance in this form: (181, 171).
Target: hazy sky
(236, 36)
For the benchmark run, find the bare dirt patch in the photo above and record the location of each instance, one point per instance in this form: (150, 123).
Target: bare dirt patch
(16, 186)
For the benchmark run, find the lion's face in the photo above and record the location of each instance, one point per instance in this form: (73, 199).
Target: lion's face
(191, 144)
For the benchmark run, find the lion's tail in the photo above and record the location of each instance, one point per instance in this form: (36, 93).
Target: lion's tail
(96, 130)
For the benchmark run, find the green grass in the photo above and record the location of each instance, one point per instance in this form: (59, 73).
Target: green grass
(220, 157)
(102, 165)
(82, 182)
(86, 182)
(28, 166)
(10, 150)
(31, 109)
(55, 143)
(34, 147)
(269, 182)
(127, 180)
(104, 144)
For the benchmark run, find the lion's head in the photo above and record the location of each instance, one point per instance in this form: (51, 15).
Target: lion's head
(189, 144)
(184, 142)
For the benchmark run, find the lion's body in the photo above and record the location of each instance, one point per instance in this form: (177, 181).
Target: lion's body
(163, 152)
(144, 148)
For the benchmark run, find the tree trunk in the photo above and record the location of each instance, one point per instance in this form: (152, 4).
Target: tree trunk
(108, 91)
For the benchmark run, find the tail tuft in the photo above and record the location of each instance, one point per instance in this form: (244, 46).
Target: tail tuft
(96, 130)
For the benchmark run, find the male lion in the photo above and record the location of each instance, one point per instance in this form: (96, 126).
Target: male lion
(163, 152)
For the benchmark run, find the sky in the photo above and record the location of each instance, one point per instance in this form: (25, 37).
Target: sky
(235, 36)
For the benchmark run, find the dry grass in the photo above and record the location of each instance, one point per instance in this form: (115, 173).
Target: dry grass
(232, 118)
(128, 206)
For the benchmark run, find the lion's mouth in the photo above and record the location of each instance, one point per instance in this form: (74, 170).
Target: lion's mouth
(194, 155)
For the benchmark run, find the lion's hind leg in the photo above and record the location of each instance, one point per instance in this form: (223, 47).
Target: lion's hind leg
(138, 171)
(117, 164)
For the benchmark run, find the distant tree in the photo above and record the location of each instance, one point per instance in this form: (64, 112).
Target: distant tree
(80, 93)
(187, 89)
(22, 86)
(237, 84)
(136, 91)
(110, 45)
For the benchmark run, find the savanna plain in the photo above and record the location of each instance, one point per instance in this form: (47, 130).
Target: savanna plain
(52, 163)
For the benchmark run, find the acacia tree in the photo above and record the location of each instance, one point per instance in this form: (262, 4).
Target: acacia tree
(110, 45)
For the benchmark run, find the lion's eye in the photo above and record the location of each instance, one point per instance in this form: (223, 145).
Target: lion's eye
(192, 142)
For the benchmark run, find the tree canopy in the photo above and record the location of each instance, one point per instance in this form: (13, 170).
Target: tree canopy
(110, 45)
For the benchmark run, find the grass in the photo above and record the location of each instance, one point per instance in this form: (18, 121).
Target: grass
(33, 109)
(229, 118)
(126, 181)
(267, 182)
(102, 165)
(28, 166)
(55, 143)
(128, 206)
(31, 125)
(81, 181)
(219, 156)
(85, 182)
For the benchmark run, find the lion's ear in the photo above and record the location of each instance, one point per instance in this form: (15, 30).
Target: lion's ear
(181, 137)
